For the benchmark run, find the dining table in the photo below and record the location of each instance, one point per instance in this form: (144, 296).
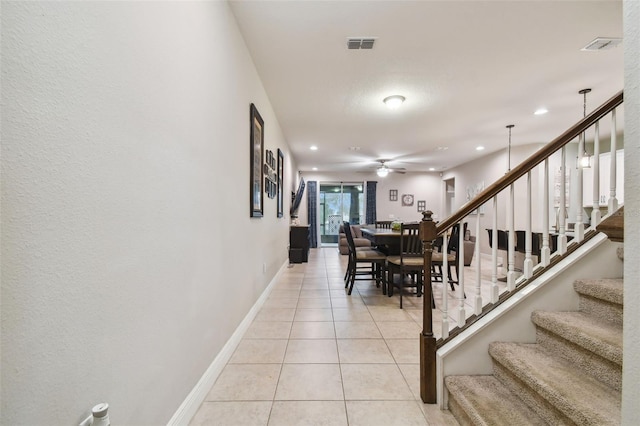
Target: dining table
(385, 239)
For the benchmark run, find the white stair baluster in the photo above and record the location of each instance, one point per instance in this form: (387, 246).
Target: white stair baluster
(613, 201)
(511, 274)
(476, 247)
(462, 315)
(445, 287)
(562, 208)
(596, 215)
(528, 262)
(578, 228)
(545, 253)
(495, 291)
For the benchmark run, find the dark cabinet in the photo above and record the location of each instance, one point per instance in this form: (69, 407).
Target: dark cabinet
(299, 244)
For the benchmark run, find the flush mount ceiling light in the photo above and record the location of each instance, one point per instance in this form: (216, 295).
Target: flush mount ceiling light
(479, 148)
(541, 111)
(393, 102)
(313, 148)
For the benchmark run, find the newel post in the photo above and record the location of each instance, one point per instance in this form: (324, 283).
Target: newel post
(427, 339)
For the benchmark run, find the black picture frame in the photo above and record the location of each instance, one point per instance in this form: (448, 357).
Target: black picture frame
(393, 195)
(280, 199)
(256, 148)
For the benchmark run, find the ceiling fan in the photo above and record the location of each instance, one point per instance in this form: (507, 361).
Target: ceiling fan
(384, 170)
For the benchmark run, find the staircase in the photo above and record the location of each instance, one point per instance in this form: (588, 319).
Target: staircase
(572, 375)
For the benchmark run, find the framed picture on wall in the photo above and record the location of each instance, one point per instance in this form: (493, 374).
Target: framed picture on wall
(280, 179)
(407, 200)
(393, 195)
(256, 148)
(422, 205)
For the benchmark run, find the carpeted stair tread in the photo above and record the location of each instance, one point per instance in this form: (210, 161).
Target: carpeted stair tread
(600, 337)
(580, 397)
(609, 289)
(486, 401)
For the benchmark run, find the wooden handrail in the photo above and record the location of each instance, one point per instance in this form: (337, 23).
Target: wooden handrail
(528, 164)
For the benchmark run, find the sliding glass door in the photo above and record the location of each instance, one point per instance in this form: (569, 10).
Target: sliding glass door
(339, 201)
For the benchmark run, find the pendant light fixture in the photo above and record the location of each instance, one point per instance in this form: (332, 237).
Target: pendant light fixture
(584, 161)
(510, 126)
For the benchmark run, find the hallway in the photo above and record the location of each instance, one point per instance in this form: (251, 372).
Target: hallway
(314, 355)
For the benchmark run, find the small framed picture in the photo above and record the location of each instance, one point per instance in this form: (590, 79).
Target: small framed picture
(407, 200)
(422, 205)
(393, 195)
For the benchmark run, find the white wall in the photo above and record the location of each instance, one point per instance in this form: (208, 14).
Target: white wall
(631, 362)
(128, 254)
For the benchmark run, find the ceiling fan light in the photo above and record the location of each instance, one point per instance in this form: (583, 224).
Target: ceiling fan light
(382, 171)
(393, 102)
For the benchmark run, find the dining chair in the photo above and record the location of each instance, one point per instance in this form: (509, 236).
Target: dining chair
(373, 258)
(384, 224)
(409, 265)
(437, 258)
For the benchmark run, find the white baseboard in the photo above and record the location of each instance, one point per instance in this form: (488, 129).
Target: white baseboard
(192, 402)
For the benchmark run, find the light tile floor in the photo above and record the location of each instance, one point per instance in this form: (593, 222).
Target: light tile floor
(317, 356)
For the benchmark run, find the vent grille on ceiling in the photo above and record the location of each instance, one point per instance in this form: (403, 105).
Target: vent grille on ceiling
(360, 43)
(602, 43)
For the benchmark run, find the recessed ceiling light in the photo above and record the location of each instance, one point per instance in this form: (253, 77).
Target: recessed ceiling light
(393, 102)
(432, 169)
(314, 168)
(541, 111)
(479, 148)
(313, 148)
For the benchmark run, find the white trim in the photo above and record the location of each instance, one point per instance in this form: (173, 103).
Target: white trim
(192, 402)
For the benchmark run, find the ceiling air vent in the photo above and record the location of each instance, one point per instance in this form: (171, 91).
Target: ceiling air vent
(602, 43)
(360, 43)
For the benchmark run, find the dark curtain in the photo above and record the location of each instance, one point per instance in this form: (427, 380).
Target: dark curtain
(312, 209)
(371, 201)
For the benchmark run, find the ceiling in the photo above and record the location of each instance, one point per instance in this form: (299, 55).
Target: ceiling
(466, 68)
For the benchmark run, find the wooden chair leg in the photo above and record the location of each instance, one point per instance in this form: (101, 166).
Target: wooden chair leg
(352, 280)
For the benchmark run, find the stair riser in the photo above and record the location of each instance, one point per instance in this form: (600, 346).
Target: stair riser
(538, 404)
(602, 309)
(592, 364)
(458, 412)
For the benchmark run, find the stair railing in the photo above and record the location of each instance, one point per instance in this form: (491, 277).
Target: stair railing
(551, 250)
